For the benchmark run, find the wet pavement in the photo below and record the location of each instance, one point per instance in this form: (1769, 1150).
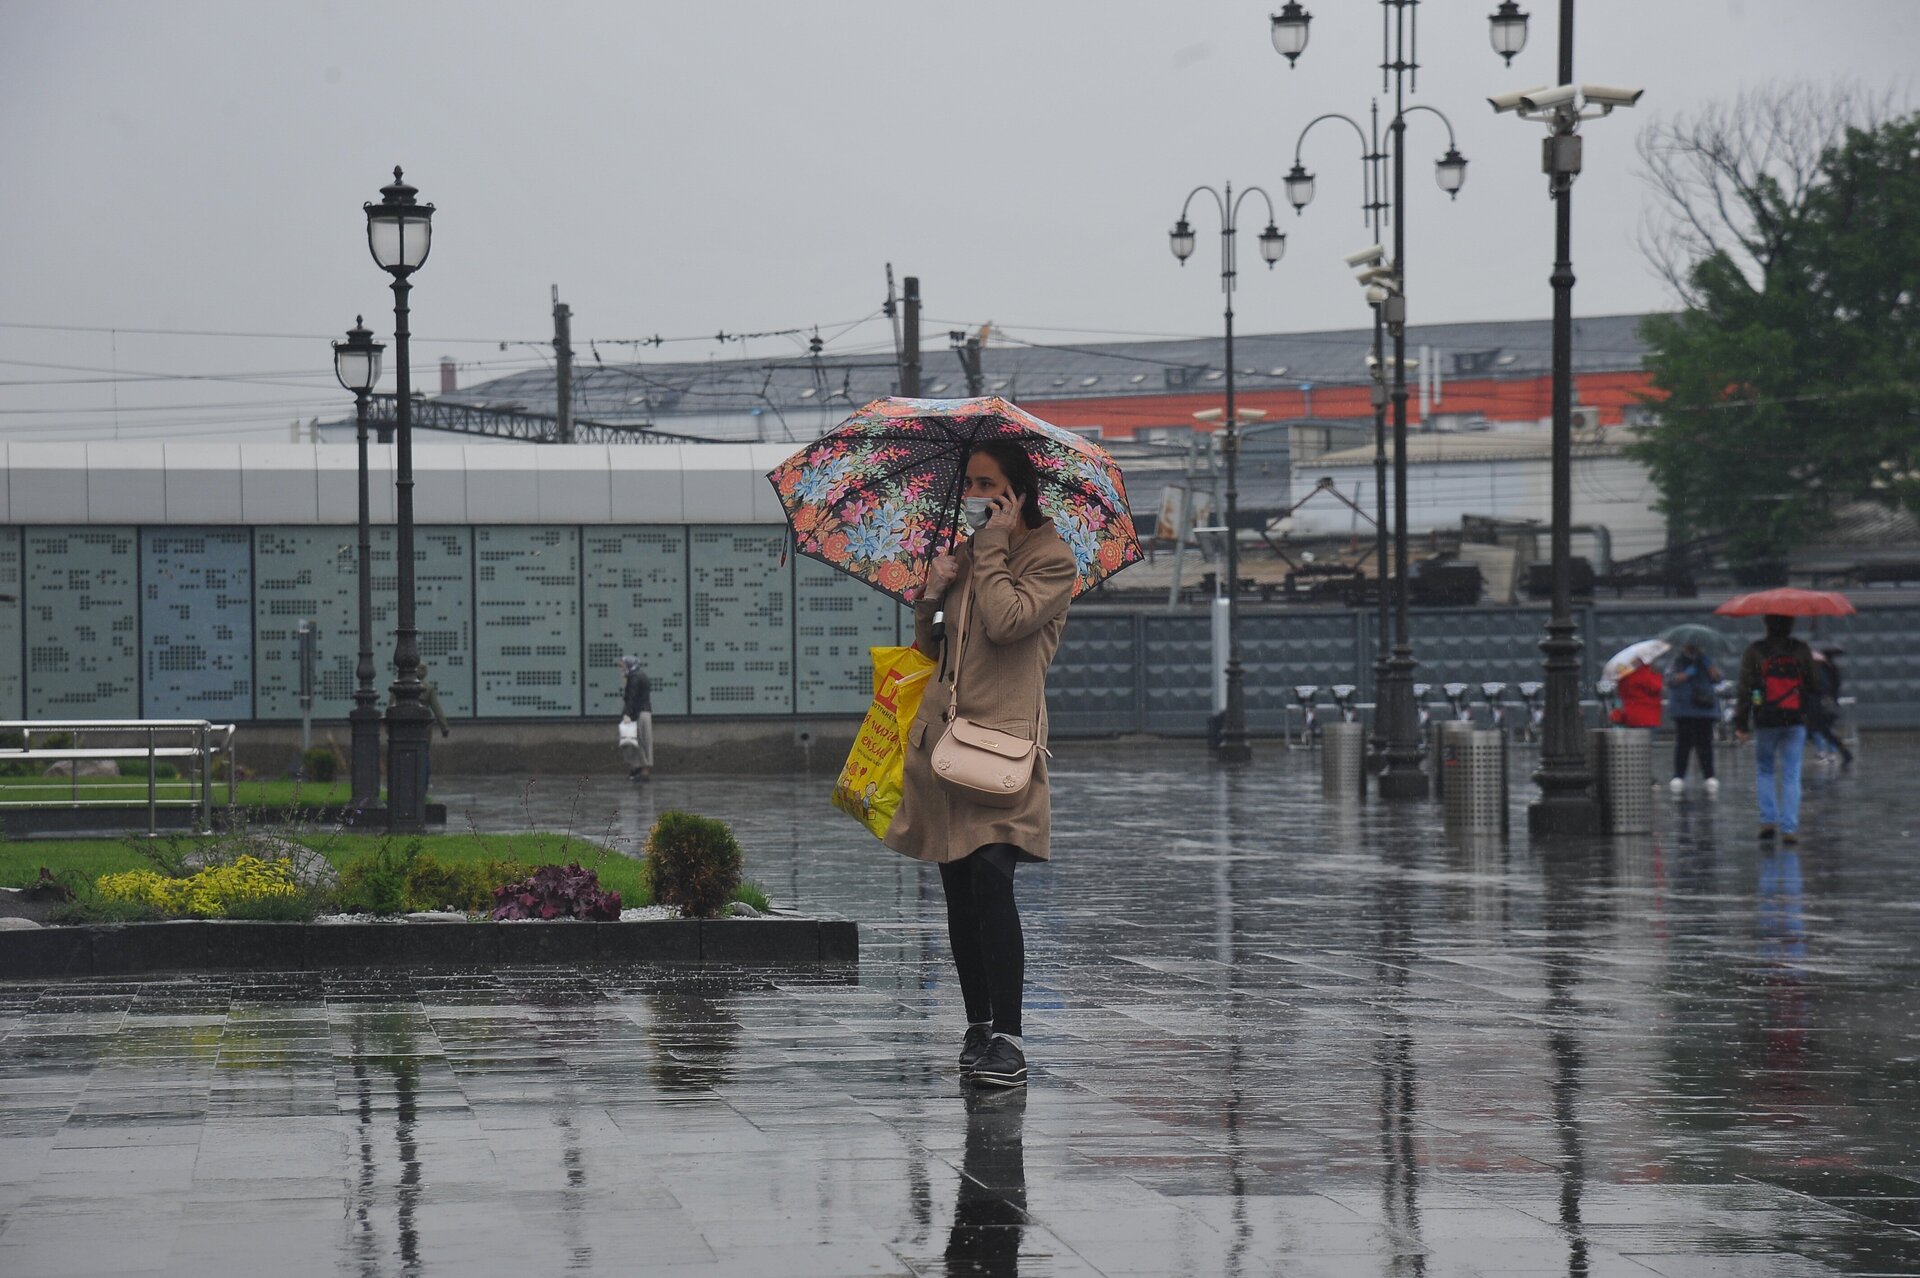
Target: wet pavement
(1268, 1034)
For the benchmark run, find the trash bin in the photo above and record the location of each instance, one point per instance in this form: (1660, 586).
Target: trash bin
(1343, 760)
(1438, 733)
(1622, 764)
(1475, 764)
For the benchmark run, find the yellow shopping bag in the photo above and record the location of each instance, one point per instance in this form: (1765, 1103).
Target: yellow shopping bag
(869, 786)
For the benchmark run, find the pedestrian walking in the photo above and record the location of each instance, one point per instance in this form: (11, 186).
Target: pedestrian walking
(1694, 708)
(1003, 595)
(1639, 691)
(1776, 685)
(430, 698)
(636, 720)
(1823, 715)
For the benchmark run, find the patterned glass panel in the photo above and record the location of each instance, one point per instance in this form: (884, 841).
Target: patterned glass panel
(636, 599)
(526, 595)
(11, 684)
(196, 623)
(742, 621)
(836, 620)
(81, 614)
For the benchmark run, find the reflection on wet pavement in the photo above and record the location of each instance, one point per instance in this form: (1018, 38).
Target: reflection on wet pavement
(1268, 1035)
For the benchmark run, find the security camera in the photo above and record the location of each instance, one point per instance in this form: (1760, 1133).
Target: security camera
(1548, 99)
(1375, 295)
(1515, 100)
(1382, 274)
(1372, 255)
(1608, 95)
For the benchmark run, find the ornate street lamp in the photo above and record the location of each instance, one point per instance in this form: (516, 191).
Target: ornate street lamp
(400, 235)
(356, 362)
(1290, 31)
(1400, 774)
(1233, 747)
(1508, 30)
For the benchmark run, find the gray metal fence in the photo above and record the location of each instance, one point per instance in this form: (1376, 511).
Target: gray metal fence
(1122, 670)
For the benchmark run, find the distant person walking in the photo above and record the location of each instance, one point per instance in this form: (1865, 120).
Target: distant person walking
(1695, 710)
(1639, 690)
(1777, 682)
(430, 698)
(1823, 716)
(636, 747)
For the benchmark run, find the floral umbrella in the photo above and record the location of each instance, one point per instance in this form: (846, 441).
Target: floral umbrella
(880, 495)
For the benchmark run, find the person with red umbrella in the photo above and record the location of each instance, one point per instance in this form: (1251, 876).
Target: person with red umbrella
(1778, 685)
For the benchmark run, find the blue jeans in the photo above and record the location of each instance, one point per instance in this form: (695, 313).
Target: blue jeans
(1787, 744)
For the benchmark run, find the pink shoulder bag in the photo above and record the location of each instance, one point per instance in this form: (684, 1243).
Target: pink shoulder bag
(977, 763)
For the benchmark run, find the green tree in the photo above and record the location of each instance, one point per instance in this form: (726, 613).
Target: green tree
(1788, 383)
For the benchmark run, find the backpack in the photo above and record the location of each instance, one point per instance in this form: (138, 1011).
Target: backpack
(1779, 701)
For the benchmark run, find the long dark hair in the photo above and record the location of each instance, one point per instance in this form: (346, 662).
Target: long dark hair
(1018, 467)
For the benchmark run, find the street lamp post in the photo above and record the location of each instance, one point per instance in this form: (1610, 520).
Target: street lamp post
(1566, 805)
(400, 235)
(1400, 774)
(1233, 747)
(356, 362)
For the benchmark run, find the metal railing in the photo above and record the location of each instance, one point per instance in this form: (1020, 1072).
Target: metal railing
(194, 742)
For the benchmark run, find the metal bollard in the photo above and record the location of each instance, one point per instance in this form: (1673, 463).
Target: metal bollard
(1476, 763)
(1343, 760)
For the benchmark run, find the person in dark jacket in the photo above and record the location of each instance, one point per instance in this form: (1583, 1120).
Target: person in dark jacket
(1694, 709)
(1823, 716)
(637, 709)
(1776, 684)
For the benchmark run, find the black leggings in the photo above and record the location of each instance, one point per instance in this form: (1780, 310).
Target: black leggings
(1693, 736)
(983, 923)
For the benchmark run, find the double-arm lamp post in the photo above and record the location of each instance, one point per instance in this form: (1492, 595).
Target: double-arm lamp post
(1389, 304)
(1233, 747)
(1400, 774)
(356, 362)
(399, 235)
(1565, 804)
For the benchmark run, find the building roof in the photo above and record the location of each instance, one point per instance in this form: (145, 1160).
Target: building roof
(1034, 373)
(1483, 446)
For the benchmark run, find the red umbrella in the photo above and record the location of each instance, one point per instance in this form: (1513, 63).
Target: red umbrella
(1787, 601)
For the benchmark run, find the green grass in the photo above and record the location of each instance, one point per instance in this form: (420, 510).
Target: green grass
(87, 859)
(275, 793)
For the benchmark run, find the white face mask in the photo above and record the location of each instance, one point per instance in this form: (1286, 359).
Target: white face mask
(979, 511)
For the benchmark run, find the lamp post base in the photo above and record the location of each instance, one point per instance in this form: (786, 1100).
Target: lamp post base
(1233, 752)
(365, 769)
(1401, 782)
(1563, 816)
(409, 730)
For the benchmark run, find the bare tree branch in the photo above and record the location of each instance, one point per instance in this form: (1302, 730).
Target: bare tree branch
(1727, 178)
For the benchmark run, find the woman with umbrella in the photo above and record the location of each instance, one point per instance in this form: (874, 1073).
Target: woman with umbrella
(884, 497)
(1692, 703)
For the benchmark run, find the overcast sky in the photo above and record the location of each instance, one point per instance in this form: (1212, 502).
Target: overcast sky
(752, 165)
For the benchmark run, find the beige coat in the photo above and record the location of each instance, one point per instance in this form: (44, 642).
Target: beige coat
(1018, 609)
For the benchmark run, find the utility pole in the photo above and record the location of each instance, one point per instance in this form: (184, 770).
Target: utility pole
(563, 368)
(910, 350)
(967, 348)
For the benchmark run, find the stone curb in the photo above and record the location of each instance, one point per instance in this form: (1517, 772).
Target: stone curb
(126, 948)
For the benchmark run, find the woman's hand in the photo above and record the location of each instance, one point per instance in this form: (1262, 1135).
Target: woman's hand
(1006, 512)
(940, 575)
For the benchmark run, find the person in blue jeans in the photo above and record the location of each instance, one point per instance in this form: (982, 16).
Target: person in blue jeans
(1777, 685)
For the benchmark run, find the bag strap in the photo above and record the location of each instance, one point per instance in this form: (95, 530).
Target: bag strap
(953, 697)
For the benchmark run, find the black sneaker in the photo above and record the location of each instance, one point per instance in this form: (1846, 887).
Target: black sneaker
(1004, 1065)
(974, 1046)
(1766, 832)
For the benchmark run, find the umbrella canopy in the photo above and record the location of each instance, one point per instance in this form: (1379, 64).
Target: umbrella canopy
(1647, 650)
(879, 496)
(1787, 601)
(1692, 634)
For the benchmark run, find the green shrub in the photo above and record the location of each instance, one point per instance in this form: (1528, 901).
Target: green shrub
(755, 895)
(319, 764)
(162, 770)
(433, 884)
(695, 862)
(377, 882)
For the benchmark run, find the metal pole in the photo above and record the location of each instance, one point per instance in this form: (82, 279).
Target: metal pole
(408, 721)
(1401, 777)
(563, 368)
(365, 715)
(910, 362)
(1565, 805)
(1233, 735)
(152, 829)
(1381, 567)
